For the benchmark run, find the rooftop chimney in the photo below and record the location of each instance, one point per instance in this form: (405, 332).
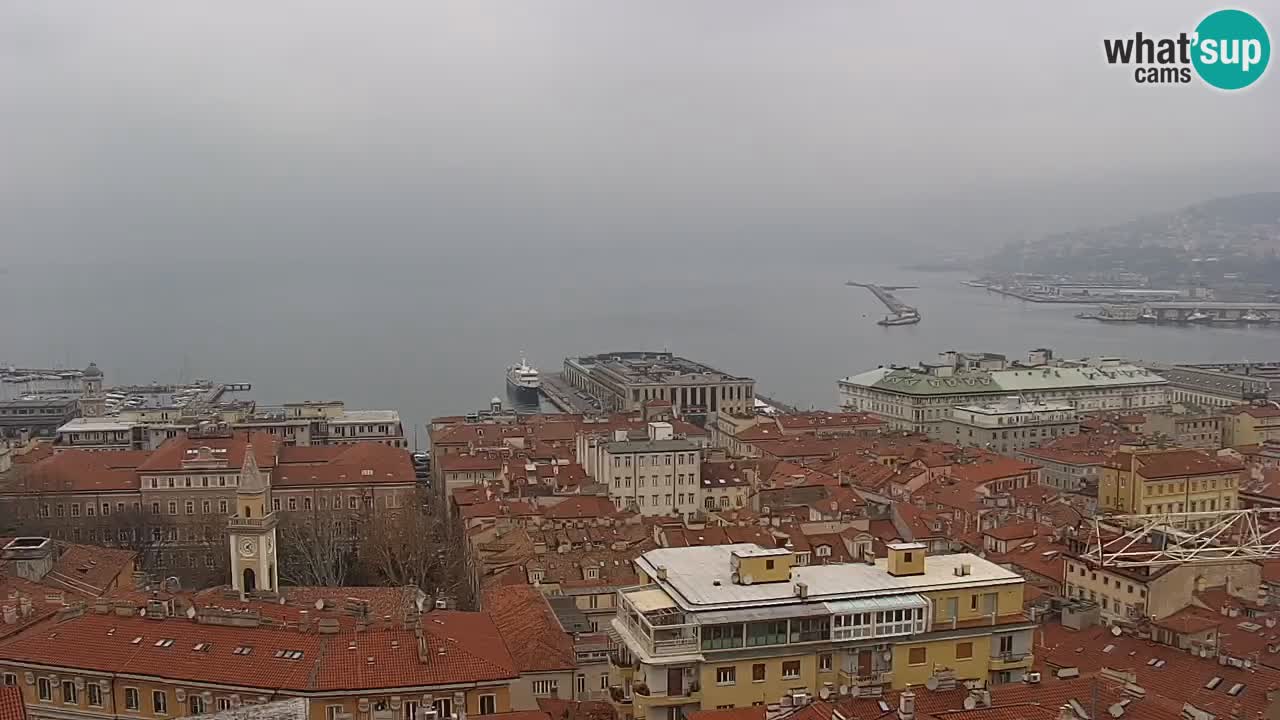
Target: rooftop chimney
(907, 705)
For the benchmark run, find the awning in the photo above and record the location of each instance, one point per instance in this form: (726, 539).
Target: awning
(651, 600)
(763, 612)
(878, 604)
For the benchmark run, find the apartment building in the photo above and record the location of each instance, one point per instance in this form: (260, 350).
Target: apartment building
(1251, 425)
(1168, 481)
(171, 504)
(659, 475)
(121, 661)
(1187, 427)
(625, 381)
(36, 418)
(1009, 425)
(739, 625)
(920, 399)
(303, 424)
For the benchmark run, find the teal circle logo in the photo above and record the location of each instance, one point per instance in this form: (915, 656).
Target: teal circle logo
(1231, 49)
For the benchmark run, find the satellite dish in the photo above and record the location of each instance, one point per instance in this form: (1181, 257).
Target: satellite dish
(844, 689)
(824, 693)
(887, 656)
(1115, 630)
(142, 612)
(969, 701)
(191, 613)
(932, 684)
(747, 579)
(320, 604)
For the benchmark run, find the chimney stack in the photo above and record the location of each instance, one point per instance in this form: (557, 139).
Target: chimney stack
(907, 705)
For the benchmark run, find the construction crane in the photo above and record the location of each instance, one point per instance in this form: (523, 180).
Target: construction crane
(1185, 538)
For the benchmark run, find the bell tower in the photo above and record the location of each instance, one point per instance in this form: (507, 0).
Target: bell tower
(252, 531)
(92, 401)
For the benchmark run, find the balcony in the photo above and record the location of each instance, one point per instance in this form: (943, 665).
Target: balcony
(866, 678)
(264, 523)
(649, 697)
(650, 622)
(1011, 660)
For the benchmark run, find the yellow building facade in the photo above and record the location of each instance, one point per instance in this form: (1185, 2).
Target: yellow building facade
(1169, 481)
(739, 625)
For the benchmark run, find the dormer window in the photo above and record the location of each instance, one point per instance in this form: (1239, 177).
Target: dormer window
(535, 576)
(824, 551)
(593, 573)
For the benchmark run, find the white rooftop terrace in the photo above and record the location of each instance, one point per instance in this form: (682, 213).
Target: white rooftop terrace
(698, 578)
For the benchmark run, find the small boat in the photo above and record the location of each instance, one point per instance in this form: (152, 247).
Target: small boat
(1198, 316)
(907, 318)
(1253, 316)
(1146, 316)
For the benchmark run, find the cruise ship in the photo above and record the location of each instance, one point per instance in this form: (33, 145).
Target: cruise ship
(523, 381)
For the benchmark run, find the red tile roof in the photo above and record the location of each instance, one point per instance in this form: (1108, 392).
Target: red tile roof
(1258, 411)
(170, 456)
(581, 710)
(85, 471)
(1173, 463)
(532, 633)
(359, 463)
(12, 706)
(991, 467)
(826, 420)
(751, 712)
(459, 647)
(581, 507)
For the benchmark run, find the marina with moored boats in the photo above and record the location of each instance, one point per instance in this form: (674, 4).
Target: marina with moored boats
(1189, 313)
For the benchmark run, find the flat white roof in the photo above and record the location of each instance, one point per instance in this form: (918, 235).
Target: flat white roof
(757, 551)
(698, 578)
(907, 546)
(81, 424)
(368, 416)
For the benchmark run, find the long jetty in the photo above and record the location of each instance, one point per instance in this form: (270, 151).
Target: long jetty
(882, 294)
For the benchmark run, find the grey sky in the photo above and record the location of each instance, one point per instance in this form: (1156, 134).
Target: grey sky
(208, 129)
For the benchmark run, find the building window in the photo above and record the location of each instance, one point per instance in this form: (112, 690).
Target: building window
(546, 687)
(824, 662)
(224, 704)
(757, 672)
(195, 704)
(790, 669)
(964, 650)
(726, 675)
(44, 689)
(489, 704)
(275, 504)
(1006, 644)
(190, 507)
(10, 679)
(94, 693)
(306, 503)
(917, 656)
(767, 633)
(159, 702)
(69, 694)
(131, 700)
(719, 637)
(173, 507)
(222, 507)
(604, 681)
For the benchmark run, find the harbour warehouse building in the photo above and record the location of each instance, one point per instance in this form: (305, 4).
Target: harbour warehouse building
(625, 381)
(741, 625)
(921, 398)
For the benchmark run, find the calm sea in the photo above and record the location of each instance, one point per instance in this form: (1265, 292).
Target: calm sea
(434, 336)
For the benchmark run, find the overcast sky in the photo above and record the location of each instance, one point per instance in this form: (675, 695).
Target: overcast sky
(197, 129)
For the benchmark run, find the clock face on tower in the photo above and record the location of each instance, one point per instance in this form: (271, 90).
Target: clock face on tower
(248, 547)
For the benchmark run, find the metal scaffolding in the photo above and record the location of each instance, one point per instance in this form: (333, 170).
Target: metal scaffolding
(1185, 538)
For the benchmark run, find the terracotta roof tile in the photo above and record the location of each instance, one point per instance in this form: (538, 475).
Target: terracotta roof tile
(12, 706)
(169, 457)
(459, 647)
(534, 637)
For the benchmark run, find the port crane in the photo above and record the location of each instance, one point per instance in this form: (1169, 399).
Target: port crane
(1185, 538)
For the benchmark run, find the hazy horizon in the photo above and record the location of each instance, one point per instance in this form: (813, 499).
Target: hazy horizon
(141, 130)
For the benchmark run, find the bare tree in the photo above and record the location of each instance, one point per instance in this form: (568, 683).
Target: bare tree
(316, 549)
(415, 545)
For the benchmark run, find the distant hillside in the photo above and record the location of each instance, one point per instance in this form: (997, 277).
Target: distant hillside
(1224, 236)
